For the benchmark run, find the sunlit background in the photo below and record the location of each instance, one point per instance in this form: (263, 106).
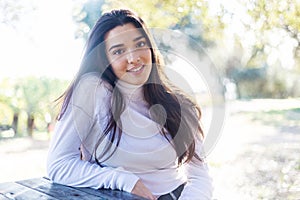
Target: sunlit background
(254, 46)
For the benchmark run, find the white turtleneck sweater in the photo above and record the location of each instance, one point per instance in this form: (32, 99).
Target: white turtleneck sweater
(143, 153)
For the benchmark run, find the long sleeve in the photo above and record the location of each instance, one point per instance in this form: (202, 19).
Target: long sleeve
(64, 164)
(199, 183)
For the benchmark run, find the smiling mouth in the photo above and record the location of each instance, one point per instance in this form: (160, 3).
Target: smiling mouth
(136, 69)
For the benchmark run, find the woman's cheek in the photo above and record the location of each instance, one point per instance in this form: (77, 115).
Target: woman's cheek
(119, 67)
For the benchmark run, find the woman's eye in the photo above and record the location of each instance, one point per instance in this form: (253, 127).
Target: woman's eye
(118, 51)
(141, 44)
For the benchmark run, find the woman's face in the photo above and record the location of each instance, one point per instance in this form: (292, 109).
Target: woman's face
(129, 54)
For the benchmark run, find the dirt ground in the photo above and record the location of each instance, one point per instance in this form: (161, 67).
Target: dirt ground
(22, 158)
(252, 160)
(256, 160)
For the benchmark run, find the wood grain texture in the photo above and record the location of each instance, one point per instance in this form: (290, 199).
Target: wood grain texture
(43, 188)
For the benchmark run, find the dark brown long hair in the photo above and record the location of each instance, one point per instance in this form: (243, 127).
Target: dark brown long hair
(182, 114)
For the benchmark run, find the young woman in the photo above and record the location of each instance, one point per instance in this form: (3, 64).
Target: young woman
(122, 125)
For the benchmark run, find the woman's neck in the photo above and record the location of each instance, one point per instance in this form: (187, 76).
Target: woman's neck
(129, 90)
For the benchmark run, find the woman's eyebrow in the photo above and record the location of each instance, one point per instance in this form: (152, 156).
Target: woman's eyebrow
(138, 38)
(120, 45)
(115, 46)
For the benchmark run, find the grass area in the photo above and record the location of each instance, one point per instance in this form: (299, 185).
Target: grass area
(258, 155)
(278, 118)
(272, 176)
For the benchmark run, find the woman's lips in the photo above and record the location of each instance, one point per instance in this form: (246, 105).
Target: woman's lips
(136, 69)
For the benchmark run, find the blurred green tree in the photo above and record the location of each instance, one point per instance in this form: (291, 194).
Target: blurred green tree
(85, 14)
(268, 41)
(11, 97)
(10, 11)
(274, 16)
(31, 95)
(39, 95)
(190, 16)
(14, 12)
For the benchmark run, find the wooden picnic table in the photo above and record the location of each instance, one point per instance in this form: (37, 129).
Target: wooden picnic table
(43, 188)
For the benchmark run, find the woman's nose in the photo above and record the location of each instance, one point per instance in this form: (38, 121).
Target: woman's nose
(133, 57)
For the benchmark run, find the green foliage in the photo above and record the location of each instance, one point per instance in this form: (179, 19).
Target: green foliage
(30, 96)
(267, 87)
(277, 15)
(265, 82)
(85, 15)
(11, 11)
(5, 114)
(191, 16)
(273, 27)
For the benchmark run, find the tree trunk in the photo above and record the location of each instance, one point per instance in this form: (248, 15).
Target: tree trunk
(238, 90)
(15, 123)
(30, 124)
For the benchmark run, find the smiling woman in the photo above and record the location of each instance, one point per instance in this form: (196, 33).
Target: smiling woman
(123, 125)
(129, 54)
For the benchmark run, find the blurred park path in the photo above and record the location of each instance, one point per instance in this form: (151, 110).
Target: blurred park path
(22, 158)
(256, 157)
(258, 153)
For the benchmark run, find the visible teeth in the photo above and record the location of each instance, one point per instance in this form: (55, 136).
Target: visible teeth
(136, 69)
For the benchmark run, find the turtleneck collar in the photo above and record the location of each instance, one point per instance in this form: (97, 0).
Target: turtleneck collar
(129, 90)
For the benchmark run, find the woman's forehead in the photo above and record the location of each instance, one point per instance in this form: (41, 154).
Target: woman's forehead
(123, 32)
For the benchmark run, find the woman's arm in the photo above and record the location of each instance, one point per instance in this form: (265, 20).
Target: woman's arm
(64, 164)
(199, 183)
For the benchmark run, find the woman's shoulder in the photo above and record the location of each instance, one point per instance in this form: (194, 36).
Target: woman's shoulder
(89, 89)
(90, 94)
(92, 82)
(90, 78)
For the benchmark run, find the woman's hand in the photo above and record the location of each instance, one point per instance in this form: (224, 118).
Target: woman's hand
(141, 190)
